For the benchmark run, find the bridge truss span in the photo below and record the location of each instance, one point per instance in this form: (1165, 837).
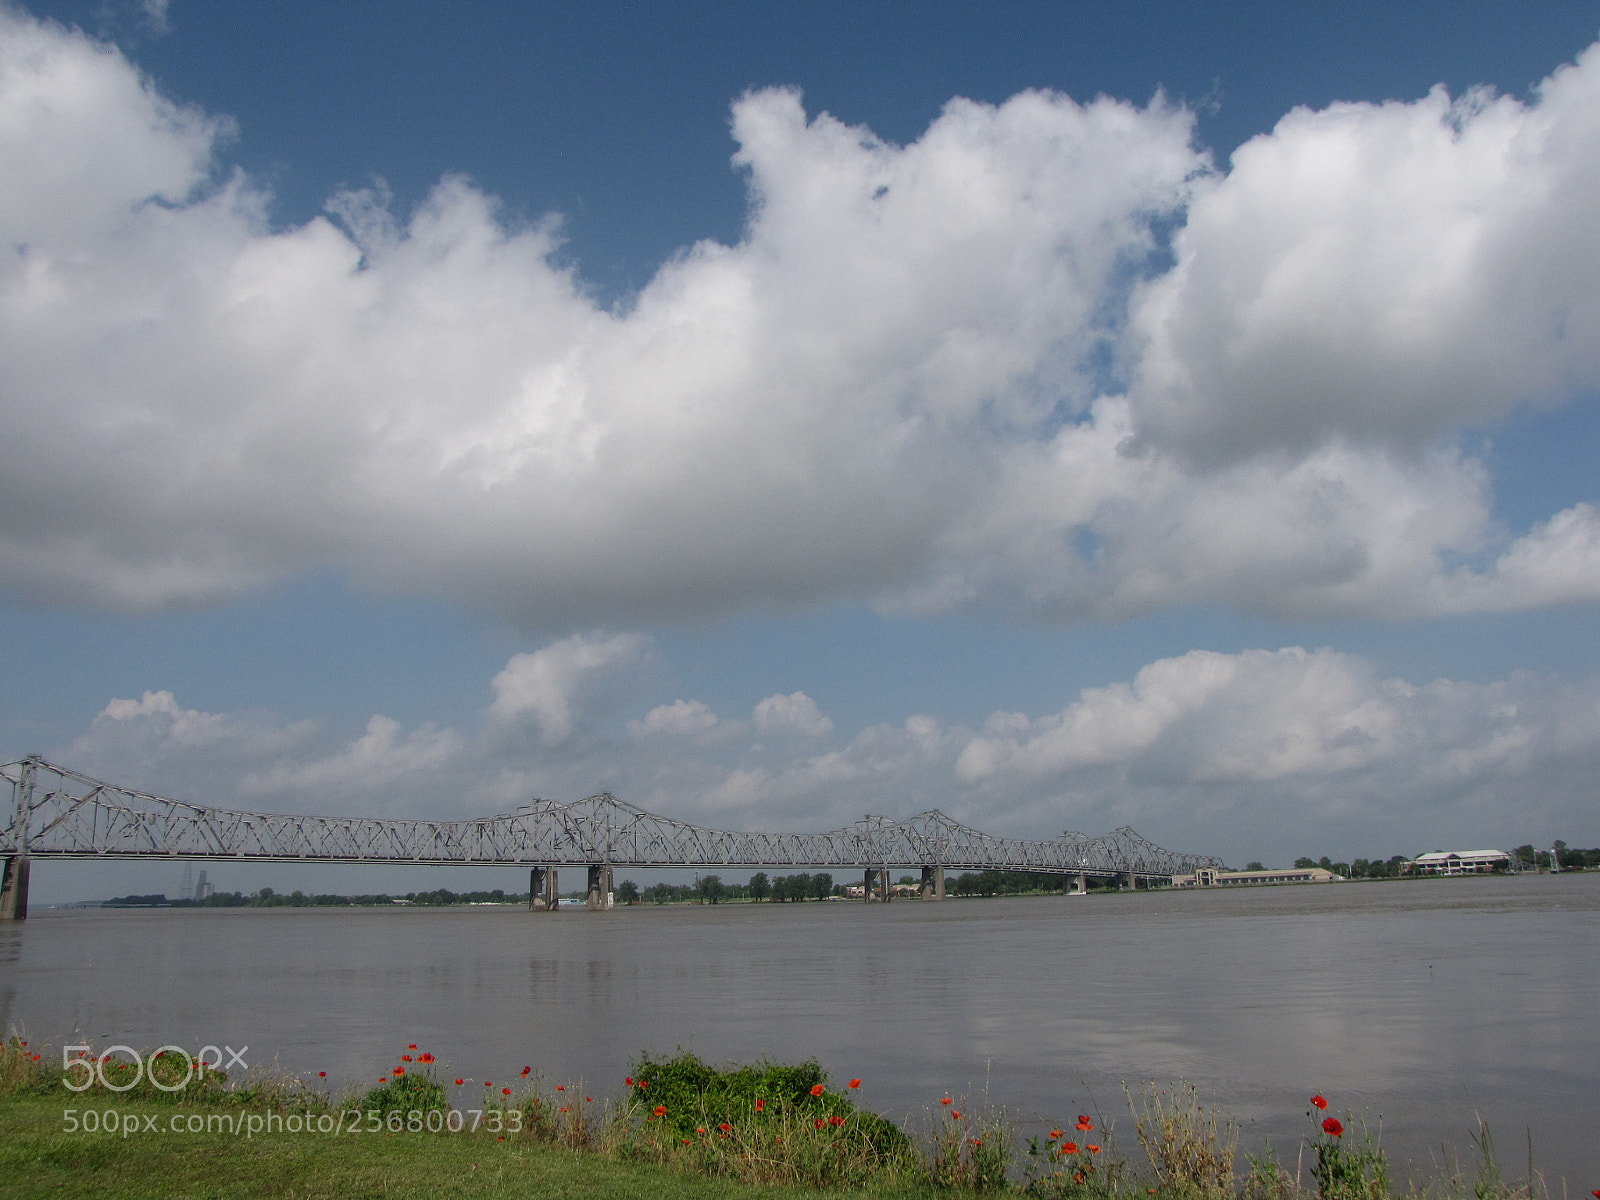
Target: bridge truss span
(61, 813)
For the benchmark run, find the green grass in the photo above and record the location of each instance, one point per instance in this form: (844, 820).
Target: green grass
(38, 1159)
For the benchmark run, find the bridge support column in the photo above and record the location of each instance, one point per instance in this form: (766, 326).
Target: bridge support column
(599, 895)
(932, 883)
(1074, 885)
(877, 889)
(1083, 885)
(14, 889)
(1133, 881)
(544, 894)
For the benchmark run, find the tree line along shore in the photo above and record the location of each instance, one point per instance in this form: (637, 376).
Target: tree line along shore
(796, 888)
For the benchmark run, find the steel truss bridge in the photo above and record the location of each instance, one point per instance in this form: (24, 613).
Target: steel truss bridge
(61, 813)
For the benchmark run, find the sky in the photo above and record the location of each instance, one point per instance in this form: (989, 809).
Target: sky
(1063, 415)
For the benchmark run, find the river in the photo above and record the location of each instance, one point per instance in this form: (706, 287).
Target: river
(1424, 1004)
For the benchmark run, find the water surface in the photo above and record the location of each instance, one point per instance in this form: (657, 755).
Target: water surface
(1426, 1003)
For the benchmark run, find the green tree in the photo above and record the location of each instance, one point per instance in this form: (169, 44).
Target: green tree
(822, 885)
(709, 888)
(1254, 866)
(1302, 864)
(760, 886)
(628, 892)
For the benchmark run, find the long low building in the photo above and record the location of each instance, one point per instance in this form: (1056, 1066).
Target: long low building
(1459, 862)
(1212, 877)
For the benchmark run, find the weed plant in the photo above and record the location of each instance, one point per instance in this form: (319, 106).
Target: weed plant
(1191, 1146)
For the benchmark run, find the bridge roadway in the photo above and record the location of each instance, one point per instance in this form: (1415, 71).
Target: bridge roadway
(61, 813)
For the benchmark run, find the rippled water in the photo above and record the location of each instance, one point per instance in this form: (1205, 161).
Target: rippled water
(1430, 1003)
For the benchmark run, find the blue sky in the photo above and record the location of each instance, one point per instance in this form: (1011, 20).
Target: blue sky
(778, 413)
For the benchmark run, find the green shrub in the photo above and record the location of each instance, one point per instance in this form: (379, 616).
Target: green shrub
(415, 1091)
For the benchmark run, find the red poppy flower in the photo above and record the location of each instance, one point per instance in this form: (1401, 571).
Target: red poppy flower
(835, 1120)
(399, 1070)
(1069, 1147)
(628, 1079)
(819, 1122)
(947, 1100)
(1319, 1101)
(954, 1115)
(1092, 1148)
(459, 1082)
(505, 1091)
(1084, 1124)
(644, 1083)
(855, 1083)
(725, 1127)
(760, 1103)
(488, 1083)
(411, 1046)
(1331, 1125)
(322, 1074)
(405, 1058)
(1055, 1133)
(588, 1099)
(560, 1087)
(817, 1089)
(661, 1110)
(424, 1058)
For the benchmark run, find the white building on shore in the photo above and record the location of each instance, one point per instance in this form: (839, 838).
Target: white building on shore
(1212, 877)
(1460, 862)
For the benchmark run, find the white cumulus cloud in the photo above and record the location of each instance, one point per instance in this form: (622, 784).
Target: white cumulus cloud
(794, 713)
(891, 388)
(545, 686)
(681, 717)
(1267, 752)
(375, 760)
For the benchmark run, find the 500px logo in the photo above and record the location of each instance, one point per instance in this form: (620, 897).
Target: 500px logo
(81, 1071)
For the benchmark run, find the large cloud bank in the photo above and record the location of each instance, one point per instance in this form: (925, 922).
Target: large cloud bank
(964, 371)
(1264, 753)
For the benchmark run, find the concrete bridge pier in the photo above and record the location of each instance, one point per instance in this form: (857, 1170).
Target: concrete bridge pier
(544, 892)
(14, 889)
(1074, 885)
(599, 893)
(877, 889)
(932, 883)
(1133, 881)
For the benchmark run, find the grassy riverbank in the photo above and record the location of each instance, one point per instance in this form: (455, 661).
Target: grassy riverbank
(39, 1159)
(681, 1128)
